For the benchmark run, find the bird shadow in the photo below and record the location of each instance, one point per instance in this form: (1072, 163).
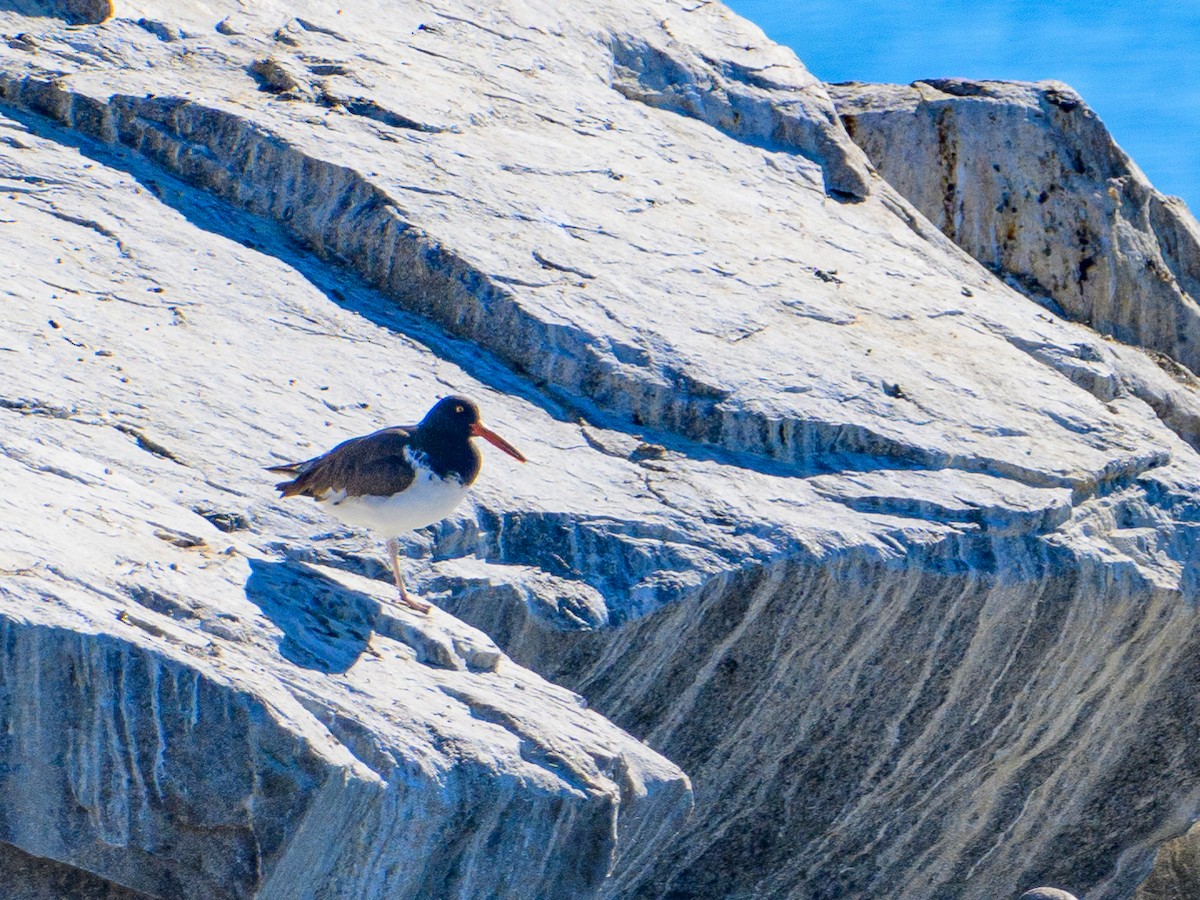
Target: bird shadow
(326, 626)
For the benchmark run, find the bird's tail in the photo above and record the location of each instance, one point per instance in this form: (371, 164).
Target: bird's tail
(288, 488)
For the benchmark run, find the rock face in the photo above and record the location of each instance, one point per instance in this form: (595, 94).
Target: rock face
(1026, 179)
(1176, 871)
(189, 709)
(895, 564)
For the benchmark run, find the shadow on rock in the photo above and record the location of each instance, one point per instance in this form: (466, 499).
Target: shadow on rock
(73, 12)
(325, 624)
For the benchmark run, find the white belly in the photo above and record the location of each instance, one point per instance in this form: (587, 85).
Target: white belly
(427, 500)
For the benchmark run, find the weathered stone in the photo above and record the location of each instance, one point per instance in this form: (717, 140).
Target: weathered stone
(82, 12)
(185, 716)
(30, 878)
(1026, 179)
(896, 564)
(1176, 872)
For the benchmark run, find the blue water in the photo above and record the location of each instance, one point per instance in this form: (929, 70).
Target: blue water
(1137, 64)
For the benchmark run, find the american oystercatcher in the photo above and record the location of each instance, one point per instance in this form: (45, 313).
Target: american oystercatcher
(398, 478)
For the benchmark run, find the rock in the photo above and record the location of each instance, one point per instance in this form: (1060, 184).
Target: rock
(897, 565)
(186, 714)
(755, 91)
(162, 30)
(82, 12)
(30, 878)
(276, 79)
(1026, 179)
(1176, 870)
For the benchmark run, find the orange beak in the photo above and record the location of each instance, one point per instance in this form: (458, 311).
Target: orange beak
(477, 430)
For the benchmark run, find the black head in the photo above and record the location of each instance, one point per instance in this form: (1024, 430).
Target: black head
(455, 420)
(451, 416)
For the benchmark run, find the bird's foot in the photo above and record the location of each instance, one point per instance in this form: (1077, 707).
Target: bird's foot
(412, 603)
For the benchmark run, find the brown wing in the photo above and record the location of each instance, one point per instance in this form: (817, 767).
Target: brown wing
(373, 464)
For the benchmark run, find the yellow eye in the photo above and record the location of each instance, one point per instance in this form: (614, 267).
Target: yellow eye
(459, 409)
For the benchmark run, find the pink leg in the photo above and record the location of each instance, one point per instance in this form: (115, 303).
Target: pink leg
(393, 547)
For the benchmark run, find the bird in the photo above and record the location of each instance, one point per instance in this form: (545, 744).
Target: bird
(398, 478)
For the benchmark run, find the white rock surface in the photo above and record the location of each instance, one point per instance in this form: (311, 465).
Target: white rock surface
(897, 565)
(186, 712)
